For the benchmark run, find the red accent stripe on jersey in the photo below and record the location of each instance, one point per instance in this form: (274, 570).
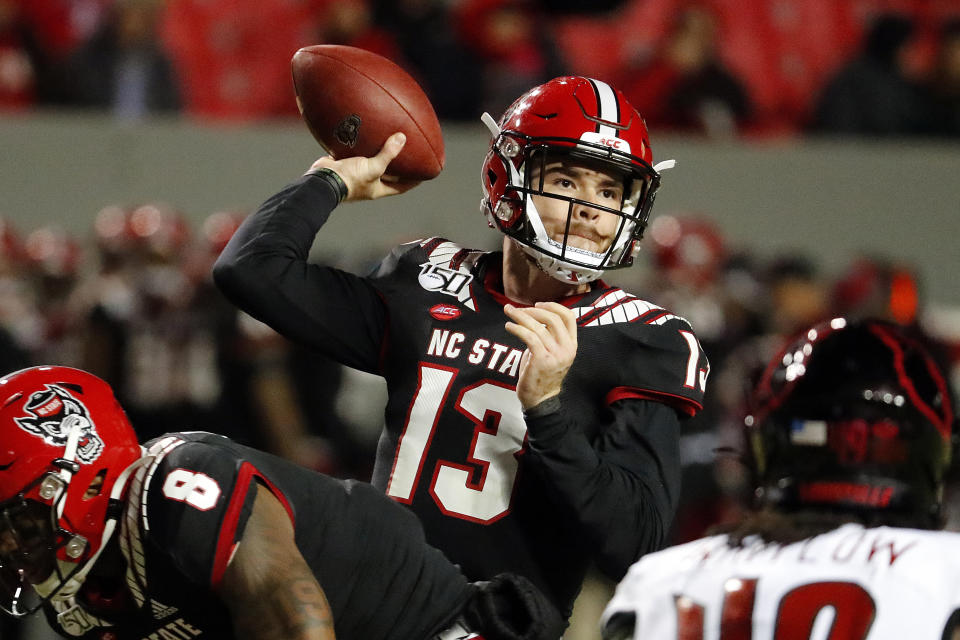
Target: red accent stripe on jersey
(432, 244)
(458, 259)
(680, 403)
(226, 542)
(599, 312)
(652, 316)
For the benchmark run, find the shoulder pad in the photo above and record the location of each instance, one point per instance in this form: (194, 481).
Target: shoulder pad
(657, 353)
(195, 501)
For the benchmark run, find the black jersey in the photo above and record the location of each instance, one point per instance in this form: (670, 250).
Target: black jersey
(186, 510)
(541, 496)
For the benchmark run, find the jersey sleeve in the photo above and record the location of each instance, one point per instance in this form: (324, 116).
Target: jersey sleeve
(197, 503)
(622, 488)
(264, 270)
(664, 363)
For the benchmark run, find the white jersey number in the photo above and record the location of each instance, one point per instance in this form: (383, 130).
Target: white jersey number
(499, 431)
(196, 489)
(852, 607)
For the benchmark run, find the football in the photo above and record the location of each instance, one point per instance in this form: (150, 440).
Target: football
(352, 100)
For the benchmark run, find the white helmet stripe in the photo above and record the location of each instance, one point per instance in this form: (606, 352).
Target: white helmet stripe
(609, 107)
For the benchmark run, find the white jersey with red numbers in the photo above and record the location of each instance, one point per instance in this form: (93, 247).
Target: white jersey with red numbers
(852, 583)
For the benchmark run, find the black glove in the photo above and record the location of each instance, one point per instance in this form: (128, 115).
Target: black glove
(510, 607)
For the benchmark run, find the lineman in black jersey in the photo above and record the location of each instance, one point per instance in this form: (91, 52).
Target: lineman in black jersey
(195, 536)
(534, 411)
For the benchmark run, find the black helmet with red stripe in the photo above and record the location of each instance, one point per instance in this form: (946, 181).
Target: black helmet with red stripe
(584, 119)
(853, 417)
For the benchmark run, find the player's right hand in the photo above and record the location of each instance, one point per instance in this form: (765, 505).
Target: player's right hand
(365, 177)
(549, 330)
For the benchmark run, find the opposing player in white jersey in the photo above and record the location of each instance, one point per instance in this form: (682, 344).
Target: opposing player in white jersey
(848, 440)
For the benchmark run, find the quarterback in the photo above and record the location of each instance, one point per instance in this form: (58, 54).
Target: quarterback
(534, 410)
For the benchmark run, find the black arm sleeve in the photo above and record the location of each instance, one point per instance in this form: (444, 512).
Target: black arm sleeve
(623, 488)
(264, 271)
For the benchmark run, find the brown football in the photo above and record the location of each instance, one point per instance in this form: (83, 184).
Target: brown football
(352, 100)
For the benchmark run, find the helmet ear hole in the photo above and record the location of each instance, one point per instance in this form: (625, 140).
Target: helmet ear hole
(95, 488)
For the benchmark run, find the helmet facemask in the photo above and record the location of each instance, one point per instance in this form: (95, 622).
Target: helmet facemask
(516, 214)
(37, 554)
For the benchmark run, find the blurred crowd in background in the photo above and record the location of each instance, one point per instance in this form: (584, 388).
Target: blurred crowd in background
(716, 68)
(138, 308)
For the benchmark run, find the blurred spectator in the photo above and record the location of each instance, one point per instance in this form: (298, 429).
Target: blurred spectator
(16, 310)
(438, 59)
(123, 67)
(350, 22)
(782, 297)
(514, 47)
(255, 399)
(944, 85)
(233, 56)
(105, 301)
(52, 262)
(798, 295)
(873, 93)
(686, 86)
(17, 73)
(880, 288)
(795, 295)
(688, 253)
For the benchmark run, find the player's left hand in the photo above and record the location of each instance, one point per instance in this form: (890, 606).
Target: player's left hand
(549, 330)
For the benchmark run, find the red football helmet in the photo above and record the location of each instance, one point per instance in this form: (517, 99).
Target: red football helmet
(64, 442)
(582, 119)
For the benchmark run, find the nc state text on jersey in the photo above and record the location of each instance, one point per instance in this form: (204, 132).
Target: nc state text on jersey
(496, 357)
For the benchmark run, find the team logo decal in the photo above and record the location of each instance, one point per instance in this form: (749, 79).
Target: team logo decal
(444, 312)
(348, 131)
(434, 277)
(53, 414)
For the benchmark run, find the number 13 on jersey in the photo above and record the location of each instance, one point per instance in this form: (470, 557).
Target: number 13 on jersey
(498, 435)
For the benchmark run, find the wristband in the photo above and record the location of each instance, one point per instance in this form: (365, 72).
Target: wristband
(550, 405)
(334, 179)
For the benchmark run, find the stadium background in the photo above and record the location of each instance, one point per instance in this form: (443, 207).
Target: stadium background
(771, 188)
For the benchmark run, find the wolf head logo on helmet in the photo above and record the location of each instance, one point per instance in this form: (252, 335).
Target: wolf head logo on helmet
(580, 119)
(54, 414)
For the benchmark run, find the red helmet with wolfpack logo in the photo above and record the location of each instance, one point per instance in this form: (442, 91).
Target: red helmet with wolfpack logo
(64, 442)
(583, 119)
